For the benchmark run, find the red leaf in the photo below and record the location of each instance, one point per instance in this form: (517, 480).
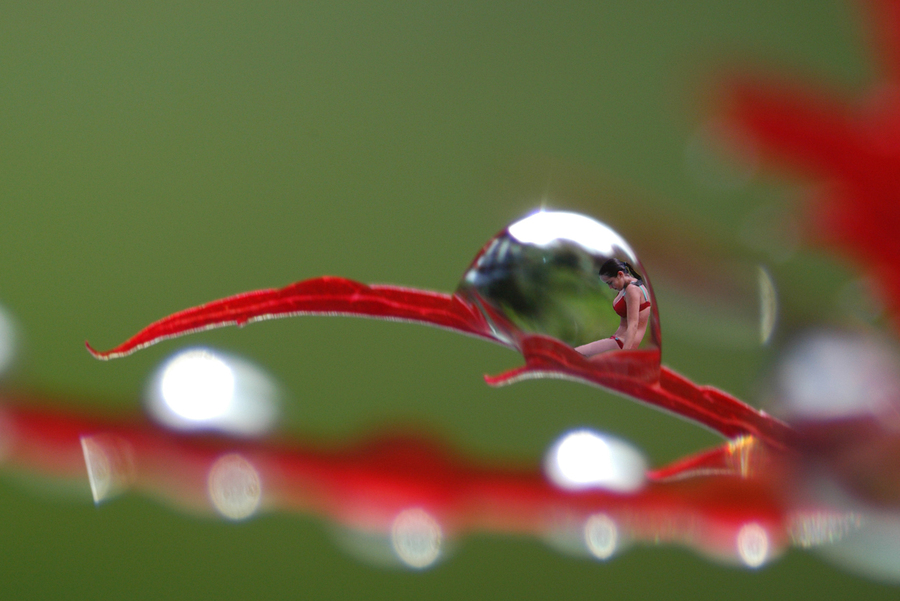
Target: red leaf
(319, 296)
(629, 373)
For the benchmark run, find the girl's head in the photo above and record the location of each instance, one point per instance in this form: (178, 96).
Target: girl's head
(610, 273)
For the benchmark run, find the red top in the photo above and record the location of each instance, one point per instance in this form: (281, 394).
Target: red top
(621, 308)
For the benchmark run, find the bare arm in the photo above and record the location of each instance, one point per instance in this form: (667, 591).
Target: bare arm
(633, 304)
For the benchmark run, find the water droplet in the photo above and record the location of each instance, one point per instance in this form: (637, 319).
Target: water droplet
(8, 336)
(768, 304)
(601, 536)
(198, 389)
(583, 459)
(753, 544)
(416, 537)
(110, 464)
(540, 275)
(234, 487)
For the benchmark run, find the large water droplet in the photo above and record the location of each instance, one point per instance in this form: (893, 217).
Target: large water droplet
(541, 275)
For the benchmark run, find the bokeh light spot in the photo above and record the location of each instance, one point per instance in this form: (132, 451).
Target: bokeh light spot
(753, 545)
(585, 459)
(234, 487)
(198, 389)
(416, 537)
(197, 385)
(601, 536)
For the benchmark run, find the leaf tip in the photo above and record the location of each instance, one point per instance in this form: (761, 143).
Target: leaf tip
(95, 353)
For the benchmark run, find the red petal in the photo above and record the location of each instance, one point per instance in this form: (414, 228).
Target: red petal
(798, 126)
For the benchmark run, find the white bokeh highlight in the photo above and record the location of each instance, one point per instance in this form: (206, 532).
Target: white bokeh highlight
(753, 545)
(416, 537)
(234, 487)
(601, 535)
(583, 459)
(201, 389)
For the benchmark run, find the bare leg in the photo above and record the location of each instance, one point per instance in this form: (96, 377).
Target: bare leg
(598, 346)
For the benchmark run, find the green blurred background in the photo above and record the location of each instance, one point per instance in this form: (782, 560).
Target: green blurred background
(154, 156)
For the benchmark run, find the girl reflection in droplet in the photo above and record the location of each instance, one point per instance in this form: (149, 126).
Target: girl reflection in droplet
(632, 304)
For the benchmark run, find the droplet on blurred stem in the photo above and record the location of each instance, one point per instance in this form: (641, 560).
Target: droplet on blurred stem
(199, 389)
(540, 275)
(8, 336)
(234, 487)
(601, 535)
(416, 537)
(411, 538)
(768, 305)
(110, 465)
(583, 459)
(753, 545)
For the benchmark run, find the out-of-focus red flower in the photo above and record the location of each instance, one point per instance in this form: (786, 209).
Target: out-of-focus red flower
(849, 149)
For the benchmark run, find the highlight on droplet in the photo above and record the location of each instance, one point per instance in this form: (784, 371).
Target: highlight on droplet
(416, 537)
(234, 487)
(753, 545)
(201, 389)
(545, 227)
(110, 465)
(601, 535)
(583, 459)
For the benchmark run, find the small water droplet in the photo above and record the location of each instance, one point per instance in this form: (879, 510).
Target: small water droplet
(601, 536)
(8, 340)
(753, 544)
(234, 487)
(416, 537)
(541, 275)
(110, 464)
(768, 304)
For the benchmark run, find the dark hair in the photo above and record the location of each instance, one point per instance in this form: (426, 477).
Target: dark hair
(612, 267)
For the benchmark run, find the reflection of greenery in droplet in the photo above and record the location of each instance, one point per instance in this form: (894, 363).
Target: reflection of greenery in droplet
(552, 290)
